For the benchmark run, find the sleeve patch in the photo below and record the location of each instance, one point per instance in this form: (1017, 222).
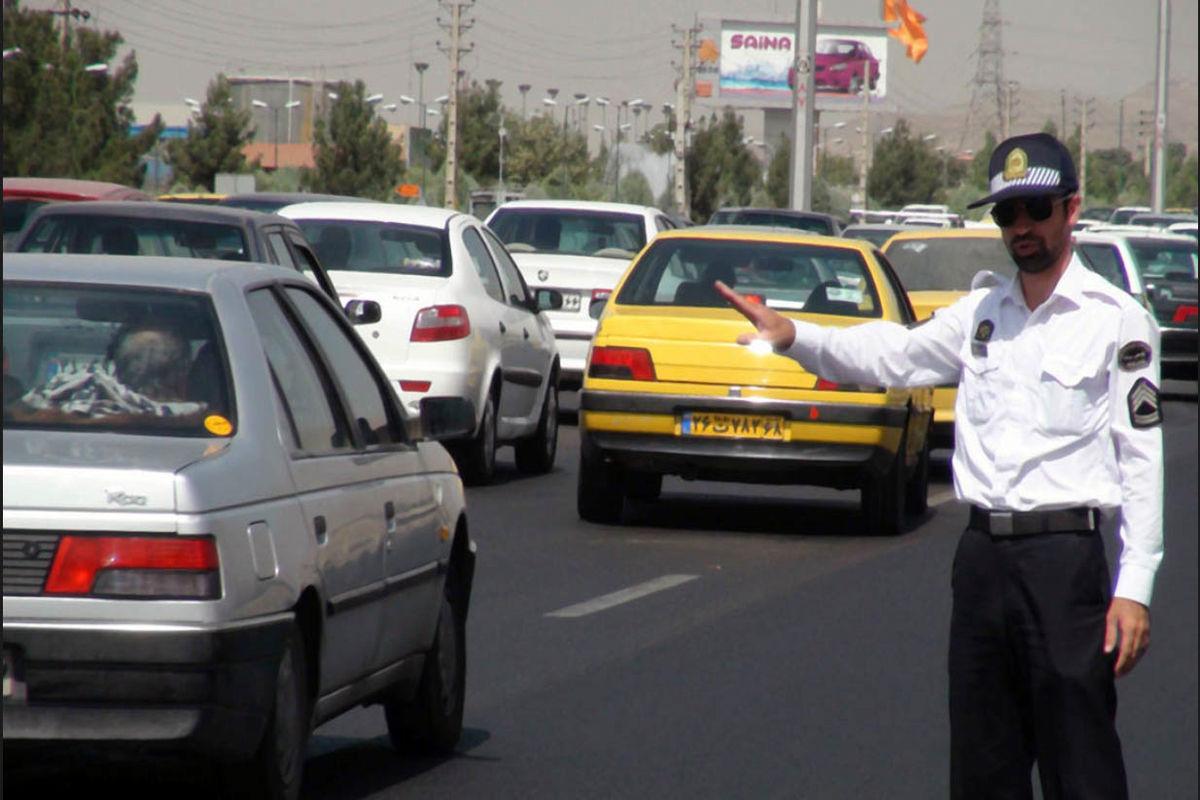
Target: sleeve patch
(1145, 408)
(1134, 356)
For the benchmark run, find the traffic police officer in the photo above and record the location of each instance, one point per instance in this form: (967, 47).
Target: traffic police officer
(1058, 423)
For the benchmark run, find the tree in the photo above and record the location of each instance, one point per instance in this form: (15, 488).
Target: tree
(66, 112)
(539, 151)
(636, 189)
(720, 169)
(354, 154)
(779, 173)
(214, 140)
(905, 170)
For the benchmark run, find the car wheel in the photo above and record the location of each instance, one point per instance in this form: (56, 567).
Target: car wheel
(644, 486)
(916, 490)
(276, 769)
(432, 722)
(476, 457)
(883, 497)
(535, 455)
(598, 497)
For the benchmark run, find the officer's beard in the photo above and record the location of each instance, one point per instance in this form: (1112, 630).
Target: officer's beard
(1035, 260)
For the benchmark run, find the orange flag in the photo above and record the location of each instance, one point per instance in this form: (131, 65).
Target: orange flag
(910, 32)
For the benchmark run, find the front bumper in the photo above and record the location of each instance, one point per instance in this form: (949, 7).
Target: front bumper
(191, 689)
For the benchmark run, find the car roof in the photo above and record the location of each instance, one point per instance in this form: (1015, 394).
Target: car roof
(787, 212)
(70, 189)
(1116, 232)
(185, 274)
(186, 211)
(427, 216)
(754, 233)
(295, 197)
(579, 205)
(874, 226)
(906, 232)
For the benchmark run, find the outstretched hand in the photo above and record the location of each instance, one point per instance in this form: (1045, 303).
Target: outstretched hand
(771, 326)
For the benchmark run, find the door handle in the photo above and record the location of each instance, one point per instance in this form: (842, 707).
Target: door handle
(389, 515)
(319, 528)
(502, 328)
(526, 332)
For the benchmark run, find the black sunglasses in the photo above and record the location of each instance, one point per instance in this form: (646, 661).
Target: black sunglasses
(1038, 208)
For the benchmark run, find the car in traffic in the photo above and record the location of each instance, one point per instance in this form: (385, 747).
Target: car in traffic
(668, 390)
(810, 221)
(270, 202)
(1159, 270)
(844, 65)
(1160, 221)
(23, 196)
(580, 249)
(455, 320)
(221, 528)
(936, 267)
(1122, 214)
(183, 230)
(201, 198)
(877, 233)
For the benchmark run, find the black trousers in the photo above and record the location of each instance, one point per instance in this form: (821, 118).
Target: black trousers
(1029, 679)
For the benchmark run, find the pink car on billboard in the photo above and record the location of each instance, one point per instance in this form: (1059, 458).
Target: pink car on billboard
(843, 65)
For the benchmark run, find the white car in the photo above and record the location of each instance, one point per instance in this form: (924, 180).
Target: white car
(457, 320)
(580, 248)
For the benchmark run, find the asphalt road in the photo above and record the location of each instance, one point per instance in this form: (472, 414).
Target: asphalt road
(728, 641)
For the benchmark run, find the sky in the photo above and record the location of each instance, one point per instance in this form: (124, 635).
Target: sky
(621, 49)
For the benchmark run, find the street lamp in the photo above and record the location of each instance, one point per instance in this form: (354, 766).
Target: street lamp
(372, 99)
(524, 89)
(503, 132)
(582, 99)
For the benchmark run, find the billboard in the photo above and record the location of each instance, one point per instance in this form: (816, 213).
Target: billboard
(750, 64)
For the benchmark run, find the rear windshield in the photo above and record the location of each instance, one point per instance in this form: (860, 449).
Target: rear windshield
(577, 233)
(936, 264)
(378, 247)
(792, 277)
(103, 359)
(135, 236)
(1158, 261)
(772, 219)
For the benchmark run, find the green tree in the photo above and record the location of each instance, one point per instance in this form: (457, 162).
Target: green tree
(354, 154)
(636, 189)
(480, 115)
(1181, 177)
(720, 169)
(837, 170)
(978, 175)
(905, 170)
(66, 111)
(538, 150)
(214, 139)
(779, 172)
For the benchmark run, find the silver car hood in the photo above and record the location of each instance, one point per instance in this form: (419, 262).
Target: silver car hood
(96, 472)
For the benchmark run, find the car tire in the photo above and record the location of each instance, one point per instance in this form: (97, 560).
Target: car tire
(916, 490)
(535, 455)
(883, 497)
(277, 767)
(598, 497)
(643, 486)
(431, 723)
(476, 457)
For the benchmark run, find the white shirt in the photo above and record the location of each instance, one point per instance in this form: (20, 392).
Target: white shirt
(1043, 418)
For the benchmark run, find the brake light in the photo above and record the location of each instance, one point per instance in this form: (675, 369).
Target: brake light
(757, 299)
(623, 363)
(441, 324)
(135, 566)
(830, 386)
(826, 386)
(415, 386)
(600, 294)
(1184, 313)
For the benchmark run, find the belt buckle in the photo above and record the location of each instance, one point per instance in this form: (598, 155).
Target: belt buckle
(1000, 523)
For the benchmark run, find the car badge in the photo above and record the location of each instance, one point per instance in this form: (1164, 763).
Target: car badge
(1016, 165)
(124, 499)
(543, 275)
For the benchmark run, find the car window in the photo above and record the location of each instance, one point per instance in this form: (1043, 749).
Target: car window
(792, 277)
(482, 261)
(514, 284)
(100, 359)
(1104, 260)
(946, 264)
(585, 233)
(148, 236)
(1164, 261)
(386, 247)
(360, 382)
(305, 395)
(663, 224)
(279, 250)
(893, 287)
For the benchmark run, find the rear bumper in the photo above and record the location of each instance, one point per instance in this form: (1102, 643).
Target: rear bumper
(192, 689)
(1179, 352)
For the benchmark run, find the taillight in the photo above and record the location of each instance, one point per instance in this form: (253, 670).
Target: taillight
(1184, 313)
(440, 324)
(830, 386)
(135, 566)
(625, 363)
(826, 386)
(600, 294)
(415, 386)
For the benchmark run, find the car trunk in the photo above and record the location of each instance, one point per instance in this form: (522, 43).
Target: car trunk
(400, 297)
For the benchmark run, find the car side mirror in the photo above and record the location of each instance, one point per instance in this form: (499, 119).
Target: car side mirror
(444, 418)
(363, 312)
(596, 307)
(547, 299)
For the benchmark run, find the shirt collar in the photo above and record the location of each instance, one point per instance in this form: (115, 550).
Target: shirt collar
(1069, 286)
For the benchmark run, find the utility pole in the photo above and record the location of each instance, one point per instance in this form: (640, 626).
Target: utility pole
(66, 12)
(456, 28)
(683, 116)
(802, 103)
(1120, 149)
(987, 87)
(866, 142)
(1158, 181)
(1010, 89)
(1086, 106)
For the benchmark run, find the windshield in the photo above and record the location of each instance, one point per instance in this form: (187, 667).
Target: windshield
(567, 232)
(357, 246)
(793, 277)
(1159, 261)
(104, 359)
(876, 236)
(773, 219)
(135, 236)
(836, 47)
(937, 264)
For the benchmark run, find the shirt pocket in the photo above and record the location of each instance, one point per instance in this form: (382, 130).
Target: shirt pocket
(1069, 394)
(978, 388)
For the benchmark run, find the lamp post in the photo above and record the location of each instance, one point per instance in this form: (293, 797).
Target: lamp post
(581, 99)
(274, 126)
(420, 67)
(524, 89)
(503, 132)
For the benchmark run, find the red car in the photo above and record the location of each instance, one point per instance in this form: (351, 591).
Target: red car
(842, 65)
(23, 196)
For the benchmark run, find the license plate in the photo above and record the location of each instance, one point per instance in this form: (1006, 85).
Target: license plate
(14, 687)
(571, 301)
(733, 426)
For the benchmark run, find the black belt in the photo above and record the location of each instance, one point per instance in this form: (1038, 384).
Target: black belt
(1026, 523)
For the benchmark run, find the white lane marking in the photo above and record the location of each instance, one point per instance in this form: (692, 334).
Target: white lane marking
(616, 598)
(944, 496)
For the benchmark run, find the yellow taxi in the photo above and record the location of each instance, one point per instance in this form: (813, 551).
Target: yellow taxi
(667, 390)
(936, 268)
(203, 198)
